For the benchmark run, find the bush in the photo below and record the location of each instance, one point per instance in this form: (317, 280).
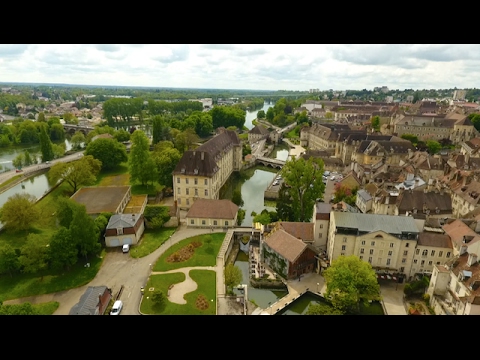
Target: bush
(156, 216)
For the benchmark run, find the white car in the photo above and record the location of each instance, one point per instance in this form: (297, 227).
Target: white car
(116, 308)
(126, 248)
(332, 178)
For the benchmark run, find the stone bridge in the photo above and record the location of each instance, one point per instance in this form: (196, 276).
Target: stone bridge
(274, 163)
(72, 129)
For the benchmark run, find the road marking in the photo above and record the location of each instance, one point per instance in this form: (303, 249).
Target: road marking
(130, 293)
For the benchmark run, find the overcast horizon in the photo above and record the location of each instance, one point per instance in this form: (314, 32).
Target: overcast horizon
(271, 67)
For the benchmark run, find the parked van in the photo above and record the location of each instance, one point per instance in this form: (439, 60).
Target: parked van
(126, 248)
(117, 307)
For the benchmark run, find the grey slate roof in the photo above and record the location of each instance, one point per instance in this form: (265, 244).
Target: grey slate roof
(373, 222)
(88, 301)
(364, 195)
(123, 221)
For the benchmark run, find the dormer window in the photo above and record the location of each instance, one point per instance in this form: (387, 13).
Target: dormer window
(195, 171)
(182, 170)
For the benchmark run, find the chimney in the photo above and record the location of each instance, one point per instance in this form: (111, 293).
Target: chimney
(387, 200)
(472, 259)
(202, 154)
(193, 152)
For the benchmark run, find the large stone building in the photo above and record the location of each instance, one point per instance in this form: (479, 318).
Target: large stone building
(202, 172)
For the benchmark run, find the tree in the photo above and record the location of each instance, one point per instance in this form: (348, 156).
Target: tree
(237, 198)
(303, 180)
(410, 137)
(261, 114)
(351, 281)
(58, 150)
(122, 135)
(83, 232)
(262, 218)
(25, 308)
(166, 159)
(270, 114)
(77, 173)
(233, 276)
(433, 146)
(45, 145)
(375, 121)
(34, 254)
(110, 152)
(27, 159)
(63, 251)
(158, 297)
(57, 132)
(141, 164)
(19, 212)
(240, 216)
(18, 161)
(185, 139)
(344, 193)
(41, 117)
(156, 216)
(322, 309)
(77, 140)
(160, 129)
(8, 260)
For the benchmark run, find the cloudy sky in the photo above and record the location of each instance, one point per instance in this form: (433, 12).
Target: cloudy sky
(249, 66)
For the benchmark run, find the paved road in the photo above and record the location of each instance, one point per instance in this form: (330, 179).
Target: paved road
(5, 176)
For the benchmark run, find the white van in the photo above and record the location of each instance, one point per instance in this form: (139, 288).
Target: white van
(117, 307)
(125, 248)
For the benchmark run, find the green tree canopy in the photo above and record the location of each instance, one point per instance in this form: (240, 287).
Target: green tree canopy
(84, 232)
(76, 173)
(166, 158)
(141, 164)
(304, 184)
(8, 260)
(233, 276)
(34, 254)
(412, 138)
(45, 145)
(110, 152)
(433, 146)
(63, 251)
(19, 212)
(351, 281)
(77, 140)
(322, 309)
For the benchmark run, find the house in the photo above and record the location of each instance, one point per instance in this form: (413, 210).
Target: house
(434, 204)
(461, 234)
(432, 249)
(364, 201)
(287, 255)
(202, 172)
(321, 220)
(454, 287)
(99, 199)
(124, 229)
(390, 152)
(212, 213)
(386, 242)
(94, 301)
(258, 132)
(425, 127)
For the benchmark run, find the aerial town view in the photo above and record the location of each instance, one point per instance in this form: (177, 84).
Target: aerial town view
(227, 179)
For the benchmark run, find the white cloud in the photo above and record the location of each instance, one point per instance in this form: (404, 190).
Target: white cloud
(245, 66)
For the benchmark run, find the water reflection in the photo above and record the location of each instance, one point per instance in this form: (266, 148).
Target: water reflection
(35, 185)
(261, 297)
(252, 115)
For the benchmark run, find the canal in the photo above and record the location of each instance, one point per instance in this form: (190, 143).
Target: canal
(260, 297)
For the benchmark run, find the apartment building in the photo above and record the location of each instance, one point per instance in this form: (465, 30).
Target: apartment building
(386, 242)
(202, 172)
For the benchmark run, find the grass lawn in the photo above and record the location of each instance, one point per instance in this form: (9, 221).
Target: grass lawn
(205, 255)
(151, 241)
(15, 178)
(150, 189)
(47, 308)
(22, 285)
(206, 281)
(111, 176)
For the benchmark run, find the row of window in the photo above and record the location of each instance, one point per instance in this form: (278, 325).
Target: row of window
(204, 222)
(415, 261)
(187, 192)
(425, 253)
(372, 243)
(195, 181)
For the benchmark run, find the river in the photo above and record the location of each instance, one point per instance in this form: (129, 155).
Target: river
(252, 115)
(9, 153)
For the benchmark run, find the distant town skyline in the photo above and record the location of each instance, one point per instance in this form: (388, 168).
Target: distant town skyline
(297, 67)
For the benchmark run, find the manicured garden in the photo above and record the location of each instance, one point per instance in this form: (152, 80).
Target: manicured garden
(151, 241)
(179, 255)
(201, 301)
